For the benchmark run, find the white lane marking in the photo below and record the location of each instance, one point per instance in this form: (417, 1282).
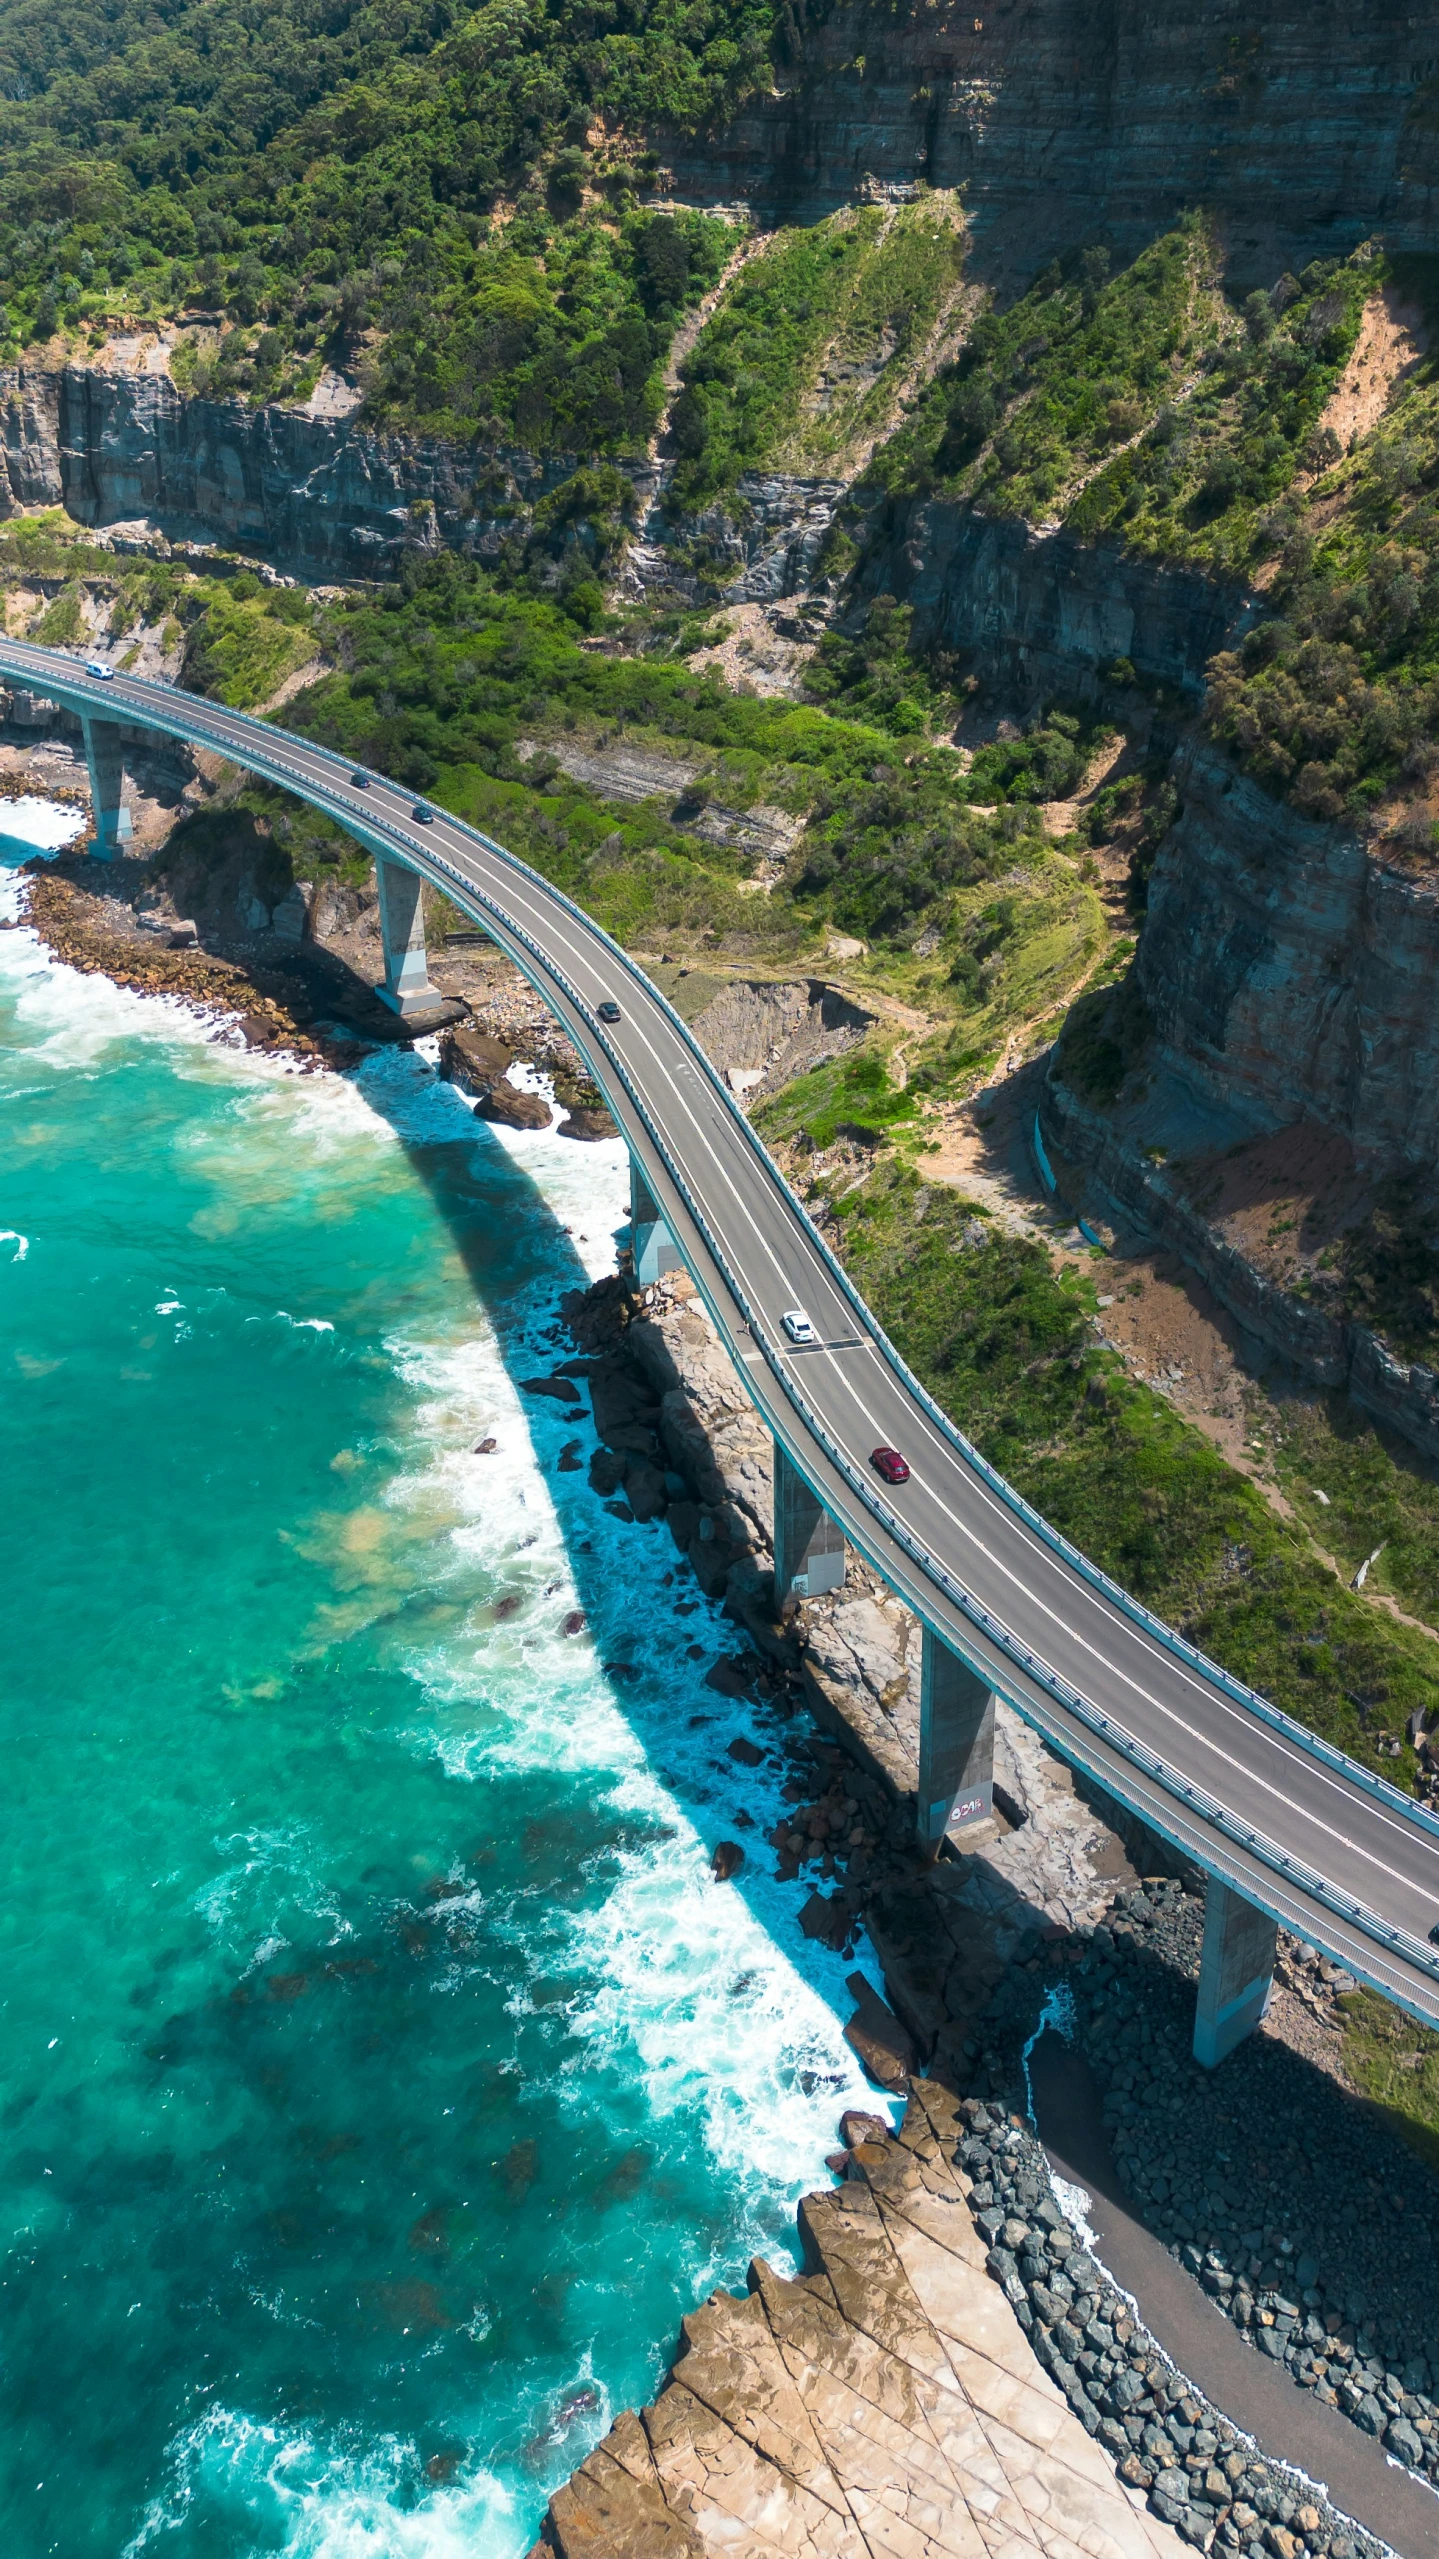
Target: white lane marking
(1114, 1621)
(1312, 1818)
(1271, 1743)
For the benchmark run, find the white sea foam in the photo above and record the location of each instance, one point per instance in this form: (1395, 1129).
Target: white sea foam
(691, 1991)
(36, 826)
(12, 1235)
(294, 2491)
(692, 1988)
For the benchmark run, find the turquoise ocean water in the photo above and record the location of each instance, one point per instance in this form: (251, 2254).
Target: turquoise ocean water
(381, 2073)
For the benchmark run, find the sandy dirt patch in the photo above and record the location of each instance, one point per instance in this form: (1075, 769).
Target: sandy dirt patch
(1392, 339)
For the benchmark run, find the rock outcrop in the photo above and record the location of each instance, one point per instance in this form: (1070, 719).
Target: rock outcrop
(887, 2401)
(1041, 612)
(1290, 969)
(1286, 970)
(1305, 128)
(327, 496)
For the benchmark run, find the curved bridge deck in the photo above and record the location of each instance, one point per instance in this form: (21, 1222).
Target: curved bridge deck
(1307, 1836)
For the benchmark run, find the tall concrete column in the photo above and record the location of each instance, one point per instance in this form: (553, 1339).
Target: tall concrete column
(808, 1544)
(105, 756)
(402, 929)
(956, 1745)
(652, 1244)
(1236, 1972)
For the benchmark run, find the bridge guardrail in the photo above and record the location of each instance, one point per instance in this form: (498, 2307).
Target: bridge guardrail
(1206, 1807)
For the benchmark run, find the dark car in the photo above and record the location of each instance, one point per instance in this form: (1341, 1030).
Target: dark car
(888, 1463)
(609, 1011)
(422, 815)
(359, 781)
(1434, 1934)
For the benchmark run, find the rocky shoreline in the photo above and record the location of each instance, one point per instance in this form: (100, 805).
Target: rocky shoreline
(971, 1948)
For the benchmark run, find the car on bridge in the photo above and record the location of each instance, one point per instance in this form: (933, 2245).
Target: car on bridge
(422, 815)
(97, 667)
(888, 1463)
(798, 1326)
(609, 1011)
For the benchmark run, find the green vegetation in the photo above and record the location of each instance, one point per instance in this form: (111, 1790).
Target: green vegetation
(799, 365)
(446, 678)
(447, 198)
(1142, 403)
(1005, 1347)
(1395, 2061)
(1334, 699)
(850, 1097)
(247, 638)
(241, 635)
(1378, 1494)
(1048, 761)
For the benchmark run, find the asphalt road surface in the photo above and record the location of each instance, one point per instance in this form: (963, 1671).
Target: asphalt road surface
(1332, 1852)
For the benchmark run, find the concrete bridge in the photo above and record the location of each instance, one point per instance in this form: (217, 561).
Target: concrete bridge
(1288, 1830)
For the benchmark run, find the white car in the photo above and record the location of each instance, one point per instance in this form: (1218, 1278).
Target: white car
(105, 673)
(798, 1326)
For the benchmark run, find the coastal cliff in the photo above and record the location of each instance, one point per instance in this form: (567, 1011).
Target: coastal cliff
(325, 495)
(1289, 966)
(1040, 611)
(1310, 127)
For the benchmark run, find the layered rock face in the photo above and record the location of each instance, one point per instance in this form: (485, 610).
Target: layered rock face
(325, 495)
(1291, 970)
(1307, 127)
(1041, 611)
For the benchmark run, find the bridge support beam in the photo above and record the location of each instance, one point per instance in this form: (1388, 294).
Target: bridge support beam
(105, 756)
(1236, 1972)
(407, 987)
(956, 1745)
(808, 1544)
(651, 1242)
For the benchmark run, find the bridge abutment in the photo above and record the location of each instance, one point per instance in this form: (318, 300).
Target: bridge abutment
(956, 1745)
(1236, 1972)
(407, 985)
(654, 1248)
(808, 1544)
(105, 757)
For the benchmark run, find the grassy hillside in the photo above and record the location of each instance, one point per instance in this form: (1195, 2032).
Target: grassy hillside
(1004, 1345)
(801, 367)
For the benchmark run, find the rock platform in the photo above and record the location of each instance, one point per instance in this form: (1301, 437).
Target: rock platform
(884, 2405)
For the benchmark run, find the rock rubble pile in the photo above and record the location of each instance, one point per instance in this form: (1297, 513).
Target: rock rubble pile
(1201, 2476)
(1307, 2222)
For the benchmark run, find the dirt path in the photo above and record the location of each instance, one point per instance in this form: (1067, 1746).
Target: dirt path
(687, 335)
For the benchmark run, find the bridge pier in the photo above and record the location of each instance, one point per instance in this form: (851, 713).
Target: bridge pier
(1236, 1972)
(105, 756)
(654, 1248)
(956, 1745)
(808, 1544)
(407, 987)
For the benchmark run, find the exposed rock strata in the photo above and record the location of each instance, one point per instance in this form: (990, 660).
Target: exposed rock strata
(327, 495)
(331, 497)
(1305, 128)
(1042, 611)
(1329, 1350)
(1290, 968)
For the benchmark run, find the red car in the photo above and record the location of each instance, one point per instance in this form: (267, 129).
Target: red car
(888, 1463)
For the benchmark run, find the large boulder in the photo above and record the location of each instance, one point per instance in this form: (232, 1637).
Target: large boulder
(508, 1107)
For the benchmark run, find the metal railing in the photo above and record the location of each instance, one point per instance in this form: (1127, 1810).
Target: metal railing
(199, 724)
